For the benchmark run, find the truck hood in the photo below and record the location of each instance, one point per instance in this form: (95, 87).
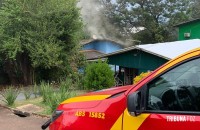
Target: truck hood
(92, 99)
(110, 91)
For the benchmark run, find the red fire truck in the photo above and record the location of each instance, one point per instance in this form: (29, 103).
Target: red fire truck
(167, 99)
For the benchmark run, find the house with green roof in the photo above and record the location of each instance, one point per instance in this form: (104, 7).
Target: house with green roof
(142, 58)
(189, 30)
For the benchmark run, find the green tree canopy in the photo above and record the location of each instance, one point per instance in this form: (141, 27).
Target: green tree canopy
(194, 9)
(38, 34)
(156, 16)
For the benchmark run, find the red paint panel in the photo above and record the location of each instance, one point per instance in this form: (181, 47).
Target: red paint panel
(112, 108)
(88, 104)
(109, 91)
(171, 122)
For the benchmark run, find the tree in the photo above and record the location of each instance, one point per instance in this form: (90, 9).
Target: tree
(98, 76)
(38, 34)
(156, 16)
(194, 9)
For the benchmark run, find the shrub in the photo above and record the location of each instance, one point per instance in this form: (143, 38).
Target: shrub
(64, 88)
(140, 77)
(98, 76)
(66, 84)
(10, 94)
(77, 78)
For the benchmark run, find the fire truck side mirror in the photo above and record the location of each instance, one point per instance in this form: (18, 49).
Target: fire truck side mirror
(134, 103)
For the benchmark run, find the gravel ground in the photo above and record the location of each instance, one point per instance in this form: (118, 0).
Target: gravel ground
(10, 121)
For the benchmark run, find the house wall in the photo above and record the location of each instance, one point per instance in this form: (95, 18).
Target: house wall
(137, 59)
(193, 28)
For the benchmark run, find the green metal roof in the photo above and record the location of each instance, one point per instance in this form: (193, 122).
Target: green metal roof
(167, 50)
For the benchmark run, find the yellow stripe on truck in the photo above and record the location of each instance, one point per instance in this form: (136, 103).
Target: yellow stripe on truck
(118, 124)
(86, 98)
(133, 122)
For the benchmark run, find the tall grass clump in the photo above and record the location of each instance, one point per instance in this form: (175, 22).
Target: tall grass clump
(53, 96)
(46, 90)
(10, 94)
(64, 92)
(35, 89)
(64, 87)
(56, 98)
(27, 92)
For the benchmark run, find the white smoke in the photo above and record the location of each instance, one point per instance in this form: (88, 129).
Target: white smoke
(96, 23)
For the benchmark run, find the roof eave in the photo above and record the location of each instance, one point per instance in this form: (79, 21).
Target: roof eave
(183, 23)
(129, 49)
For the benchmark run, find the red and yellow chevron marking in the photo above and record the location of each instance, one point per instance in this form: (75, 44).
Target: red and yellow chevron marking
(133, 123)
(129, 122)
(85, 98)
(118, 124)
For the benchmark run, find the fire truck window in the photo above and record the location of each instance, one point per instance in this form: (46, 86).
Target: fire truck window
(177, 89)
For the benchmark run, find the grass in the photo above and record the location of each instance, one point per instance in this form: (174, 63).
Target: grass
(10, 94)
(27, 94)
(56, 98)
(46, 96)
(35, 101)
(48, 107)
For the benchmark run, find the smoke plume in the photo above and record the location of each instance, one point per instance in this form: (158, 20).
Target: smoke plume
(96, 23)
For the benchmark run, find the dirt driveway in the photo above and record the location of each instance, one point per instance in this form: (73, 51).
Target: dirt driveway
(10, 121)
